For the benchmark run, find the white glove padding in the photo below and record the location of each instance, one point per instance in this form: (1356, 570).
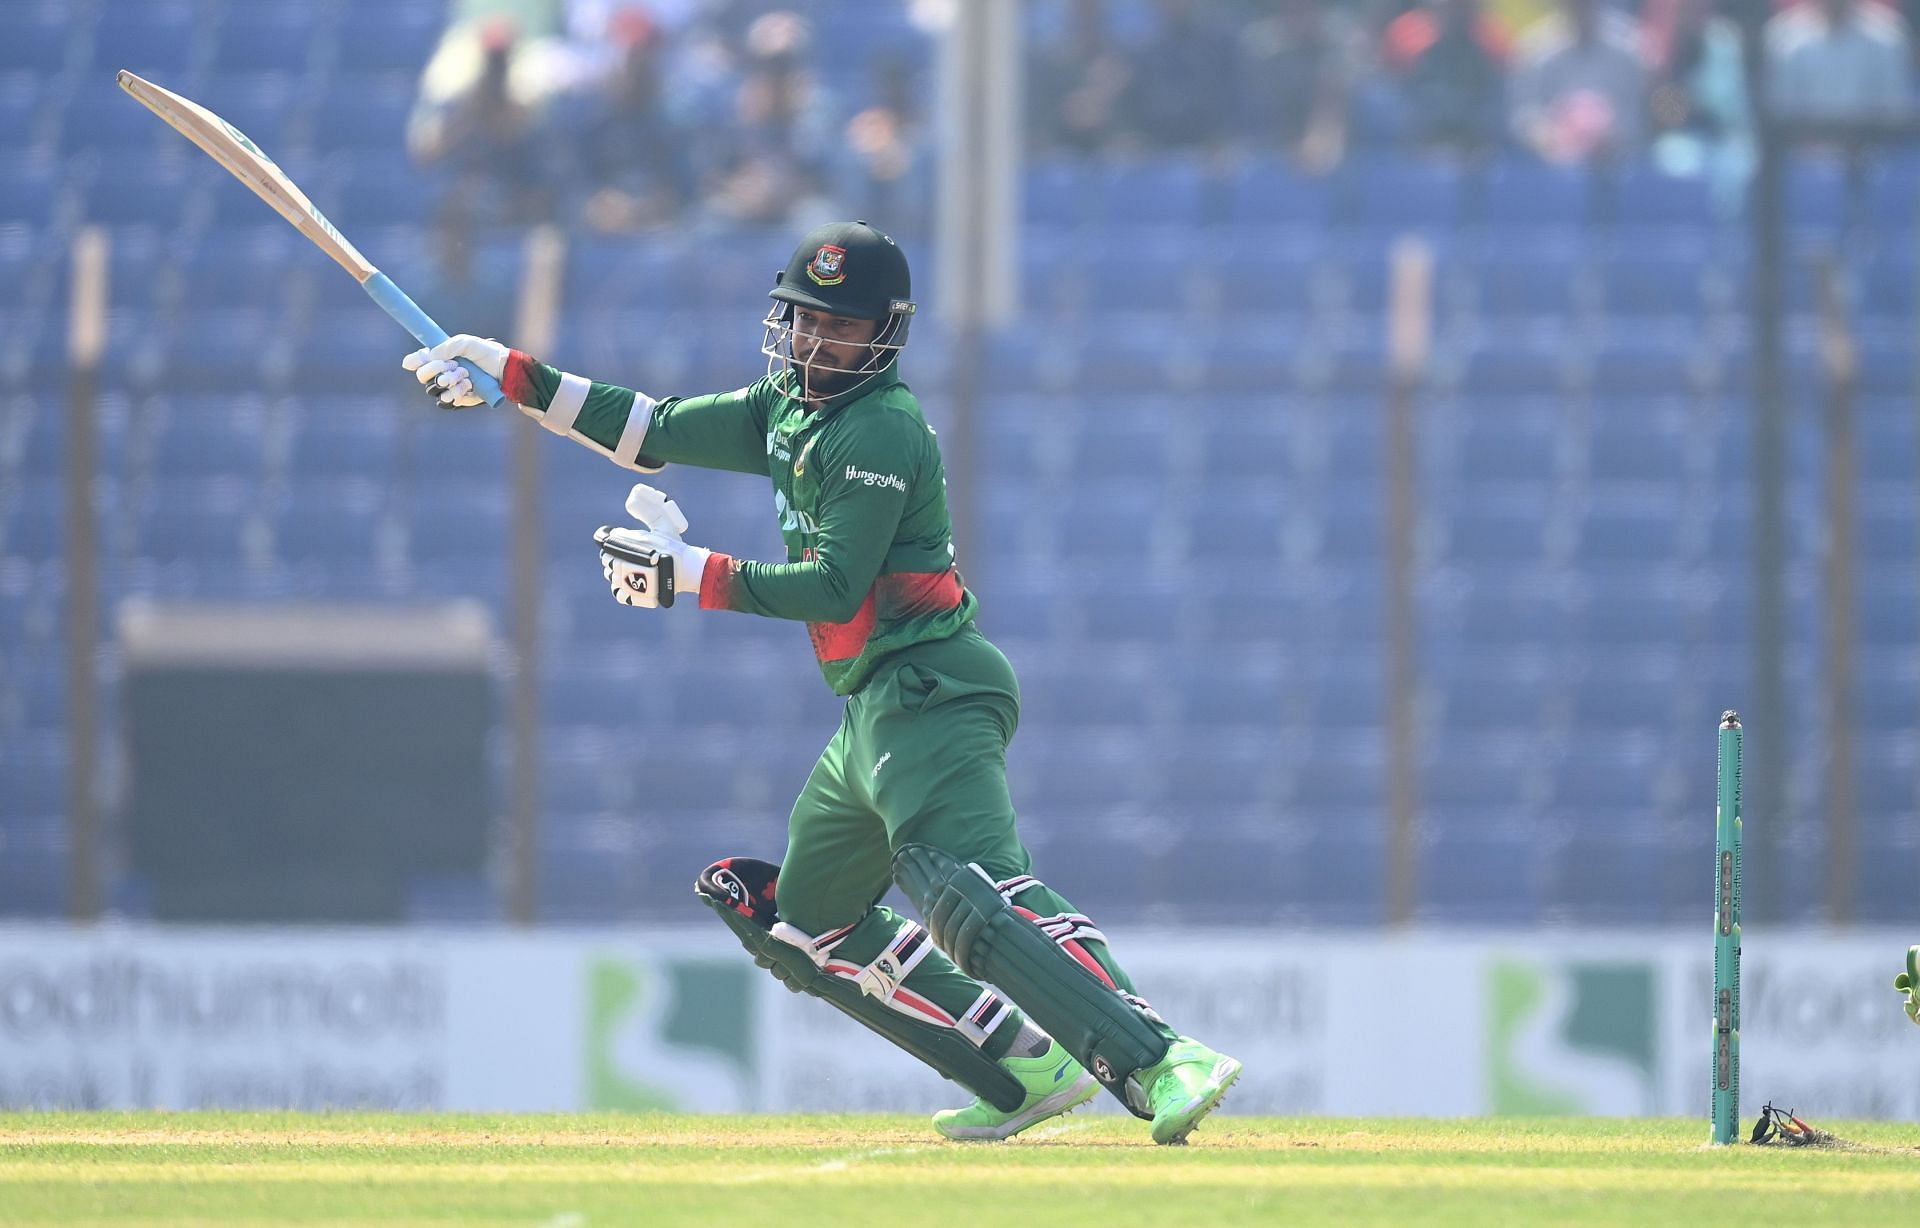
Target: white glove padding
(656, 510)
(446, 380)
(637, 582)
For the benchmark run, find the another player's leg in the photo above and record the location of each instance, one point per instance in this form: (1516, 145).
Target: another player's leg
(816, 924)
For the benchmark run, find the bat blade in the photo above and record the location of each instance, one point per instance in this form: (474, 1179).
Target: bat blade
(248, 163)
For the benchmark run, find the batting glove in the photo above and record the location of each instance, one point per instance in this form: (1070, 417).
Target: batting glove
(623, 552)
(446, 381)
(637, 583)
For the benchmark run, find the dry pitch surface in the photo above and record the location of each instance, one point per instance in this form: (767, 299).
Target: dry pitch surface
(793, 1172)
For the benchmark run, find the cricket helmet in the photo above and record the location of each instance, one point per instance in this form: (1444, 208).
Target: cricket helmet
(843, 269)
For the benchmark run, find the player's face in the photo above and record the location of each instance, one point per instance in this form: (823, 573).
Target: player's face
(822, 341)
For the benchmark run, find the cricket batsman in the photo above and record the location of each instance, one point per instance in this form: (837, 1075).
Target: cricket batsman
(1006, 989)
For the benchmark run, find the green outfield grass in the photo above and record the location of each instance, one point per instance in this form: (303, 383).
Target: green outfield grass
(847, 1172)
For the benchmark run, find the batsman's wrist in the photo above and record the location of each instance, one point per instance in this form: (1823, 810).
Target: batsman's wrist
(690, 567)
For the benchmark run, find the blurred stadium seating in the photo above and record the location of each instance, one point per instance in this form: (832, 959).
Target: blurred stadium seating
(1198, 380)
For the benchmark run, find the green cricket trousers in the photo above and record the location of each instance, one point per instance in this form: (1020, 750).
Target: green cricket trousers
(920, 757)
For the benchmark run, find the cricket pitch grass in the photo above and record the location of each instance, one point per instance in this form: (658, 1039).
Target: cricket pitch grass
(1099, 1171)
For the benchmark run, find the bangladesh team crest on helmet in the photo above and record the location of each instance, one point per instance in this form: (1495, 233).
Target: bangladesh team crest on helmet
(828, 266)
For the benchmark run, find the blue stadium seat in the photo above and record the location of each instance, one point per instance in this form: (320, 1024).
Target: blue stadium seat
(1511, 445)
(1497, 529)
(1401, 192)
(1659, 358)
(221, 348)
(1214, 770)
(365, 112)
(1268, 192)
(1471, 778)
(33, 874)
(206, 445)
(100, 118)
(1479, 873)
(1630, 531)
(1344, 859)
(1893, 189)
(148, 187)
(1058, 191)
(1817, 193)
(1615, 701)
(1242, 523)
(382, 189)
(33, 783)
(1344, 774)
(1641, 279)
(1888, 850)
(329, 525)
(1636, 441)
(1612, 870)
(1166, 190)
(281, 37)
(39, 38)
(1061, 778)
(1521, 193)
(447, 519)
(392, 35)
(22, 102)
(1482, 693)
(1643, 196)
(30, 187)
(157, 40)
(1532, 279)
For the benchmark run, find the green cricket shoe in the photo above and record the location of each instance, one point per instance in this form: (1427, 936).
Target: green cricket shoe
(1055, 1084)
(1185, 1086)
(1908, 983)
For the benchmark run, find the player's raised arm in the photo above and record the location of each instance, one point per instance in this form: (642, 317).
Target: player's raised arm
(725, 430)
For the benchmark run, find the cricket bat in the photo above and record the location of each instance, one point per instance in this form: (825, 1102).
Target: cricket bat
(232, 149)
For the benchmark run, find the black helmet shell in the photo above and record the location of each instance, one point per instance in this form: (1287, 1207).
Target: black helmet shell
(847, 269)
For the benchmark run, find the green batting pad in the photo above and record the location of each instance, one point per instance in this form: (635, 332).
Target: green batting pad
(942, 1048)
(989, 940)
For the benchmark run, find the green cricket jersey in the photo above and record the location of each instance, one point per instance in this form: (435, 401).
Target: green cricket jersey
(857, 483)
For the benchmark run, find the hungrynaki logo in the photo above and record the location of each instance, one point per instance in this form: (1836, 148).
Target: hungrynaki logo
(867, 477)
(829, 265)
(1572, 1038)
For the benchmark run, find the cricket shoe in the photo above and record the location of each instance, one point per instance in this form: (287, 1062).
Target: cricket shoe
(1055, 1084)
(1185, 1086)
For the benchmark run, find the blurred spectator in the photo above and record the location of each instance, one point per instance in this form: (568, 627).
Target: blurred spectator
(1298, 69)
(1450, 59)
(1078, 87)
(1579, 88)
(773, 161)
(1186, 97)
(474, 121)
(1836, 60)
(631, 157)
(1697, 108)
(886, 146)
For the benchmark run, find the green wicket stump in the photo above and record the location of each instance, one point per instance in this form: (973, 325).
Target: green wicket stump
(1726, 937)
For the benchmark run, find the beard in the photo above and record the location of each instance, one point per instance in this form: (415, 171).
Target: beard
(830, 383)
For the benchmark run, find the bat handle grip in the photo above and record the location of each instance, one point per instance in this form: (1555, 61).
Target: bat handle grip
(394, 301)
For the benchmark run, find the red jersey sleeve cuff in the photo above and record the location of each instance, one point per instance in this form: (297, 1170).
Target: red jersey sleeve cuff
(517, 380)
(716, 583)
